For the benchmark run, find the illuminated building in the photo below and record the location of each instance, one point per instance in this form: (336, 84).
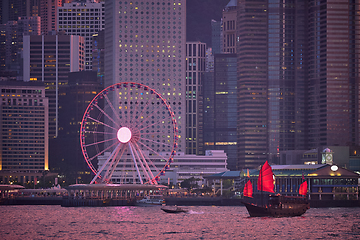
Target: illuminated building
(343, 156)
(184, 166)
(11, 10)
(11, 42)
(24, 131)
(220, 108)
(326, 183)
(83, 19)
(48, 9)
(49, 59)
(195, 67)
(333, 80)
(145, 42)
(297, 78)
(271, 80)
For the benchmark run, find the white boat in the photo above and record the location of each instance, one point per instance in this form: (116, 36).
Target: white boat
(151, 200)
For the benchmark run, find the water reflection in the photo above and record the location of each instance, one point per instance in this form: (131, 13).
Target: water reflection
(201, 222)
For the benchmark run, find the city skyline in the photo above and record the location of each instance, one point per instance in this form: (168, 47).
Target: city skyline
(297, 75)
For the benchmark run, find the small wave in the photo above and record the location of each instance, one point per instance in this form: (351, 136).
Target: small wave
(194, 212)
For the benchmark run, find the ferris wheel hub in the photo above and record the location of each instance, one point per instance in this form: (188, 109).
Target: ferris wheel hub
(124, 134)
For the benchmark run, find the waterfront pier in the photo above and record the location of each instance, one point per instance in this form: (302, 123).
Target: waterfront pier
(97, 195)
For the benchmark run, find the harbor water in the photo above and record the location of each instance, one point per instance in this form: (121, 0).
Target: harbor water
(200, 222)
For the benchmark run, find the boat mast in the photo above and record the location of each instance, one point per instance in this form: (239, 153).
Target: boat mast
(261, 186)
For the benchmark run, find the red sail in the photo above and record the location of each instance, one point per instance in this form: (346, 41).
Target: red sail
(248, 190)
(303, 188)
(266, 179)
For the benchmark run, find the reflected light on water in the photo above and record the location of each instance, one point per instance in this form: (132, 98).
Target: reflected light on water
(201, 222)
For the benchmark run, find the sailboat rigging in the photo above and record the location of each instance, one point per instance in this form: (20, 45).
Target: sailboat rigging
(274, 205)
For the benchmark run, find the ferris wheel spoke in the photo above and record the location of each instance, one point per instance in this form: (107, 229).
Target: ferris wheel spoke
(112, 107)
(161, 157)
(136, 152)
(95, 132)
(146, 107)
(136, 166)
(105, 163)
(95, 120)
(95, 143)
(118, 158)
(106, 115)
(101, 152)
(115, 160)
(160, 143)
(142, 112)
(148, 126)
(146, 162)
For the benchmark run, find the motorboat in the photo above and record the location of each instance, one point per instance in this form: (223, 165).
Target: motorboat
(174, 210)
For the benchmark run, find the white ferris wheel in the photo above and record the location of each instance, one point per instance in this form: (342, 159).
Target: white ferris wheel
(133, 125)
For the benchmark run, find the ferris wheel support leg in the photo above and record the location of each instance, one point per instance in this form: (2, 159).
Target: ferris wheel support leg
(144, 160)
(107, 176)
(137, 168)
(116, 163)
(103, 166)
(137, 151)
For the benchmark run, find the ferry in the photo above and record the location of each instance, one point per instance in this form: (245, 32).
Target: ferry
(151, 200)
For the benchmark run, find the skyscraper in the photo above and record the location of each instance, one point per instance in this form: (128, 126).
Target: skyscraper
(333, 81)
(83, 19)
(195, 68)
(216, 36)
(49, 59)
(48, 10)
(24, 131)
(145, 42)
(271, 80)
(297, 77)
(220, 108)
(229, 14)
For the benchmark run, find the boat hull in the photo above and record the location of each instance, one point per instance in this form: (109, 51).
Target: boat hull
(178, 210)
(271, 211)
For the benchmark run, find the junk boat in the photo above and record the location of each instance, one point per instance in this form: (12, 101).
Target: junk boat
(273, 205)
(174, 210)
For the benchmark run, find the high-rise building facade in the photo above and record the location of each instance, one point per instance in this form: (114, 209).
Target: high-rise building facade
(9, 47)
(297, 77)
(83, 19)
(48, 10)
(24, 130)
(11, 10)
(82, 87)
(49, 59)
(220, 108)
(216, 36)
(333, 81)
(98, 55)
(229, 14)
(195, 68)
(145, 42)
(271, 49)
(11, 43)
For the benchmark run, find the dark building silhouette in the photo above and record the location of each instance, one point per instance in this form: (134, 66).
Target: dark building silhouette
(65, 150)
(220, 107)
